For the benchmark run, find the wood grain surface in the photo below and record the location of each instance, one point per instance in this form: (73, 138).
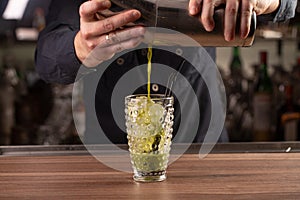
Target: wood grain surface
(218, 176)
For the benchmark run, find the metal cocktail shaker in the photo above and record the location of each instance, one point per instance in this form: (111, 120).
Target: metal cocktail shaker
(173, 15)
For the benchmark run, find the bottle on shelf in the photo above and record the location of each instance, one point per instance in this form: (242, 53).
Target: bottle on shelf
(235, 82)
(238, 115)
(234, 89)
(288, 120)
(279, 76)
(262, 103)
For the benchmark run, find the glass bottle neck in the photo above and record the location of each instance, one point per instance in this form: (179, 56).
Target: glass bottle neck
(264, 81)
(236, 52)
(235, 65)
(263, 63)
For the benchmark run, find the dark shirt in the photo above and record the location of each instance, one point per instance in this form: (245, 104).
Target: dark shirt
(56, 61)
(55, 48)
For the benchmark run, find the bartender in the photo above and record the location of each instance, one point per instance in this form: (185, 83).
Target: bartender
(74, 29)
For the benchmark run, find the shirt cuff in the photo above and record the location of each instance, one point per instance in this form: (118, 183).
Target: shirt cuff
(286, 10)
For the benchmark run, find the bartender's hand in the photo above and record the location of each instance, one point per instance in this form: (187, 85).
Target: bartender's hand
(100, 38)
(205, 9)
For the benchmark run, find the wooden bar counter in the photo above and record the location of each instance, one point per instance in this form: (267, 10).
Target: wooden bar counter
(71, 173)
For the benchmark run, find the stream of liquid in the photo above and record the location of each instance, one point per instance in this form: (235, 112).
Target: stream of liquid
(149, 56)
(147, 139)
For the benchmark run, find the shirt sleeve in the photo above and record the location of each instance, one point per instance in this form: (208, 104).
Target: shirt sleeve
(286, 10)
(55, 57)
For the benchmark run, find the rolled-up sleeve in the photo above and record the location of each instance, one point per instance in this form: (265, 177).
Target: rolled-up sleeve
(56, 60)
(286, 10)
(55, 56)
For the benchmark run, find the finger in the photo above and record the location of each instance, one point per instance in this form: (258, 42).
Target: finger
(123, 35)
(194, 7)
(88, 10)
(92, 60)
(231, 12)
(109, 24)
(207, 14)
(115, 37)
(106, 53)
(100, 54)
(128, 44)
(246, 13)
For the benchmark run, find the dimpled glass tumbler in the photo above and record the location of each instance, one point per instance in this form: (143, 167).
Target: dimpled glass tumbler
(149, 124)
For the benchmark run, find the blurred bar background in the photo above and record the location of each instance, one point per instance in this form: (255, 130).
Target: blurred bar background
(34, 112)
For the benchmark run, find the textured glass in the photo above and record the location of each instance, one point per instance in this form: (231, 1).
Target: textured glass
(149, 131)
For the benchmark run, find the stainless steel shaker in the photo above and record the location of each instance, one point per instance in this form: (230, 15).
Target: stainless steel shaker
(173, 15)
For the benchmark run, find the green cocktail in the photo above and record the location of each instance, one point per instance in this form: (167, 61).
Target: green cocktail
(149, 124)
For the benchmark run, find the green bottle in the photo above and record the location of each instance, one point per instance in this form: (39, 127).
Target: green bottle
(236, 62)
(262, 103)
(236, 72)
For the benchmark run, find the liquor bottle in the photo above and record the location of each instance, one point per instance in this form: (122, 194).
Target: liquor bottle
(234, 94)
(239, 117)
(279, 76)
(288, 122)
(236, 72)
(262, 103)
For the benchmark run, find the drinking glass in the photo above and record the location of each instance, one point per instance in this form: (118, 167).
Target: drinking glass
(149, 122)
